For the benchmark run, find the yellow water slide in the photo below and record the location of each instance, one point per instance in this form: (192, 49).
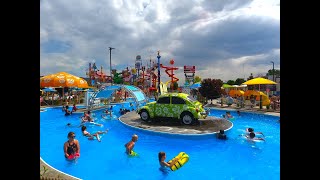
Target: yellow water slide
(163, 88)
(265, 98)
(235, 92)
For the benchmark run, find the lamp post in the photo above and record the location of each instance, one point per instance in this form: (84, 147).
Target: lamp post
(110, 48)
(272, 72)
(159, 72)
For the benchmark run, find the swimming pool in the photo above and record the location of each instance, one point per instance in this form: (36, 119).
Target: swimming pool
(210, 158)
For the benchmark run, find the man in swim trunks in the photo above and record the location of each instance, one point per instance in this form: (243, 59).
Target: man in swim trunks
(130, 145)
(71, 148)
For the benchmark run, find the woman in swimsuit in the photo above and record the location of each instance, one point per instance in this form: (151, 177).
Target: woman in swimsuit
(91, 136)
(71, 148)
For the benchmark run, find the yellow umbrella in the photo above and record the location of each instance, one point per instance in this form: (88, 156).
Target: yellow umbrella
(259, 80)
(63, 79)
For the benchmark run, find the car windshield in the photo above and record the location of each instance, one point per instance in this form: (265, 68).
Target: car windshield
(190, 98)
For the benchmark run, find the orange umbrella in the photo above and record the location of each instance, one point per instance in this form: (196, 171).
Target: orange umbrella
(63, 79)
(234, 92)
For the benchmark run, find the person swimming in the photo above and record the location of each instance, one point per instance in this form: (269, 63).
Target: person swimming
(91, 136)
(228, 115)
(252, 137)
(221, 135)
(249, 130)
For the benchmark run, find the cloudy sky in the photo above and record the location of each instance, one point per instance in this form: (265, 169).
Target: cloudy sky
(224, 39)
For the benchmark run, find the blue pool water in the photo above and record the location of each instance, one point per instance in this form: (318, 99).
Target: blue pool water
(210, 158)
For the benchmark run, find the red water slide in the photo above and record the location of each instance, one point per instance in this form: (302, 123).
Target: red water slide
(169, 71)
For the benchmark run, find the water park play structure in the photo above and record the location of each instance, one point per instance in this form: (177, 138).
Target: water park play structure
(189, 72)
(169, 71)
(145, 76)
(97, 76)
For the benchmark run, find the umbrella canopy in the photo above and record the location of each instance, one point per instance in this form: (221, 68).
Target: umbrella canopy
(63, 79)
(49, 90)
(259, 80)
(195, 86)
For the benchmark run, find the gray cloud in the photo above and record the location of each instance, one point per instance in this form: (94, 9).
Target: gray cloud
(216, 36)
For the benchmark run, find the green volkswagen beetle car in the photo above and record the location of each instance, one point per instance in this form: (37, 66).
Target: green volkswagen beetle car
(174, 105)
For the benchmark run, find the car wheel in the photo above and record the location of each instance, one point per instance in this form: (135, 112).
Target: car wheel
(144, 115)
(187, 118)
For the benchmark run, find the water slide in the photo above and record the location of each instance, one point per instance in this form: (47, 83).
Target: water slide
(163, 88)
(265, 98)
(235, 92)
(169, 72)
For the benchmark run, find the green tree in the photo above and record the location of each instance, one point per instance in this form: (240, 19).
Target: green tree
(175, 86)
(211, 88)
(250, 77)
(230, 82)
(117, 79)
(197, 79)
(276, 72)
(239, 81)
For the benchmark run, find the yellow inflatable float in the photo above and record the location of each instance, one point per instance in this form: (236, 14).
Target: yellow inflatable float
(183, 159)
